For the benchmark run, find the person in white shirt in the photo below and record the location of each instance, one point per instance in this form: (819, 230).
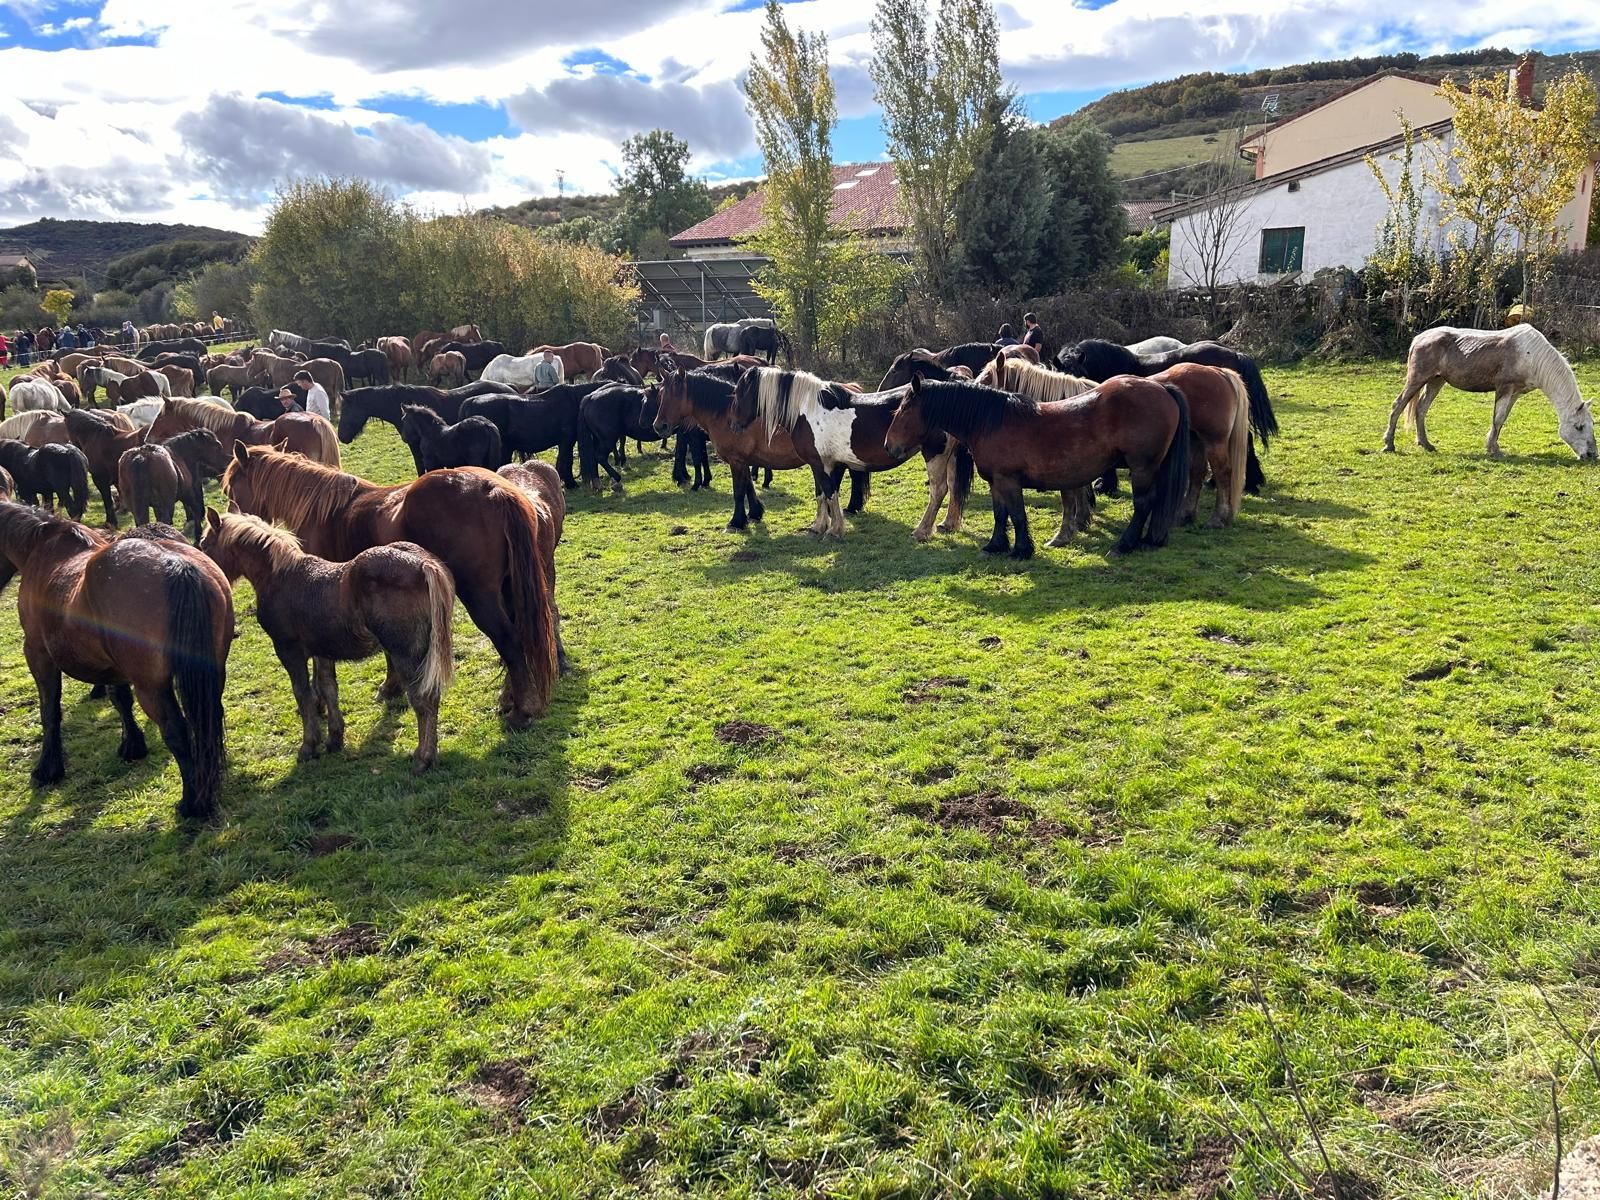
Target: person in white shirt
(313, 398)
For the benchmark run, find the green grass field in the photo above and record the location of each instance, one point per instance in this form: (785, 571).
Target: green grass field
(874, 869)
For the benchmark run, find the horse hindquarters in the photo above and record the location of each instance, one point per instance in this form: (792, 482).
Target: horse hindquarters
(187, 704)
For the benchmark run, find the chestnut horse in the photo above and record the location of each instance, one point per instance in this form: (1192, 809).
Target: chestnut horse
(299, 432)
(103, 441)
(1061, 445)
(158, 476)
(397, 598)
(649, 361)
(145, 614)
(541, 484)
(577, 358)
(483, 528)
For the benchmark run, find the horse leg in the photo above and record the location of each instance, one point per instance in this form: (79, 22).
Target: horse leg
(758, 510)
(998, 542)
(741, 482)
(1200, 458)
(835, 526)
(938, 484)
(1011, 496)
(860, 491)
(822, 522)
(426, 706)
(702, 464)
(958, 505)
(564, 464)
(1429, 393)
(1108, 484)
(1411, 388)
(305, 699)
(162, 708)
(680, 455)
(47, 679)
(1222, 476)
(132, 747)
(102, 484)
(1503, 400)
(326, 681)
(1070, 519)
(1143, 500)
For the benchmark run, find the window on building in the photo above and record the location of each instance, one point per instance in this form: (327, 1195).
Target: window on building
(1282, 250)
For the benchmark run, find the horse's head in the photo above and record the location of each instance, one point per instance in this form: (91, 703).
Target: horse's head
(1577, 430)
(909, 426)
(746, 400)
(994, 371)
(674, 397)
(211, 458)
(1072, 360)
(239, 481)
(215, 547)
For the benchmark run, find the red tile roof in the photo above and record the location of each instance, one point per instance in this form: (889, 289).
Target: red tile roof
(866, 199)
(1142, 213)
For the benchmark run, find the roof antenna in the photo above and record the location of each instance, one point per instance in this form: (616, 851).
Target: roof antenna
(561, 194)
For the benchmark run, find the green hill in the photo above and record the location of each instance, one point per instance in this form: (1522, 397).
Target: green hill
(65, 249)
(1162, 128)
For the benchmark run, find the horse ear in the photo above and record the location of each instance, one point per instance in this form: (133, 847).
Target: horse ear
(233, 506)
(240, 451)
(916, 384)
(213, 520)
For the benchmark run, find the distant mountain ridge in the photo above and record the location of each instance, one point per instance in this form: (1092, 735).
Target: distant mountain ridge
(66, 248)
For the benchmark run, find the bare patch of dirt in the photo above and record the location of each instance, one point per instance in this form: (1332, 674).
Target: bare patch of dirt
(677, 531)
(744, 556)
(1385, 894)
(350, 942)
(523, 806)
(502, 1088)
(610, 1119)
(933, 775)
(591, 783)
(324, 844)
(1205, 1175)
(1212, 634)
(990, 643)
(986, 812)
(931, 689)
(790, 852)
(1434, 671)
(745, 733)
(1046, 830)
(707, 772)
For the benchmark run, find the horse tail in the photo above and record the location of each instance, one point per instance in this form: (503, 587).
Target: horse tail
(964, 471)
(708, 348)
(1263, 421)
(530, 587)
(1241, 450)
(1172, 476)
(136, 493)
(439, 665)
(77, 484)
(197, 677)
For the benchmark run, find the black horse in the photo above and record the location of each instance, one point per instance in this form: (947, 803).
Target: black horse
(150, 350)
(363, 404)
(608, 416)
(1099, 361)
(370, 365)
(470, 442)
(57, 473)
(478, 354)
(261, 403)
(768, 340)
(530, 424)
(974, 356)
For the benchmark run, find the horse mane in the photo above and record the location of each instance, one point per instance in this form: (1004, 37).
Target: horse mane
(1033, 380)
(963, 409)
(23, 528)
(708, 391)
(952, 353)
(250, 533)
(1556, 378)
(17, 426)
(187, 442)
(422, 415)
(205, 414)
(293, 489)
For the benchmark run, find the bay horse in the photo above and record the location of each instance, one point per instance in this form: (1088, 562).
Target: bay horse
(539, 482)
(577, 358)
(158, 475)
(396, 598)
(974, 356)
(58, 474)
(103, 441)
(227, 375)
(398, 351)
(1100, 360)
(146, 615)
(299, 432)
(483, 528)
(1507, 362)
(649, 361)
(1219, 422)
(469, 442)
(1062, 445)
(834, 429)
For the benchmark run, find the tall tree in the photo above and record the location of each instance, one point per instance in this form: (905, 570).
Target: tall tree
(940, 105)
(1402, 254)
(790, 97)
(1084, 230)
(1000, 222)
(657, 191)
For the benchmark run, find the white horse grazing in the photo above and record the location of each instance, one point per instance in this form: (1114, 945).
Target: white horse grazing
(1507, 362)
(1155, 345)
(30, 393)
(517, 370)
(18, 426)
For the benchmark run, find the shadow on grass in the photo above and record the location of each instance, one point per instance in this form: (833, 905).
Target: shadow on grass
(352, 832)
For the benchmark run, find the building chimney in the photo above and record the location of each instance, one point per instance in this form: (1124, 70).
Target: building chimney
(1519, 84)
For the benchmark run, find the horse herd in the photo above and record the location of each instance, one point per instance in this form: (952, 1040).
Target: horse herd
(343, 568)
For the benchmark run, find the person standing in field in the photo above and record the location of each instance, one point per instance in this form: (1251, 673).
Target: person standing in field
(1034, 336)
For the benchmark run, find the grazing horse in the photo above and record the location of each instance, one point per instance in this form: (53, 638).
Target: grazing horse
(58, 474)
(298, 432)
(649, 361)
(1219, 421)
(485, 530)
(398, 351)
(531, 424)
(449, 366)
(538, 481)
(936, 365)
(30, 393)
(725, 337)
(834, 429)
(514, 371)
(577, 358)
(704, 399)
(158, 475)
(1099, 361)
(103, 441)
(396, 598)
(1062, 445)
(146, 614)
(470, 442)
(370, 364)
(1507, 362)
(606, 416)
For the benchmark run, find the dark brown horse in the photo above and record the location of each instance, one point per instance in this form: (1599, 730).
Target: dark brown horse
(146, 615)
(299, 432)
(485, 529)
(103, 442)
(974, 356)
(577, 358)
(158, 475)
(396, 598)
(649, 361)
(1061, 446)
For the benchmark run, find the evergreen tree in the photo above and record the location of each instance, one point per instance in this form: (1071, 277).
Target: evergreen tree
(658, 193)
(1084, 230)
(1000, 220)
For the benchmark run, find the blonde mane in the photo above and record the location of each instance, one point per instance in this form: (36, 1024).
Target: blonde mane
(247, 533)
(293, 490)
(782, 407)
(18, 426)
(205, 415)
(1033, 380)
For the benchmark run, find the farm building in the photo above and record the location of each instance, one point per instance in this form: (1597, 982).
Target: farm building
(1314, 202)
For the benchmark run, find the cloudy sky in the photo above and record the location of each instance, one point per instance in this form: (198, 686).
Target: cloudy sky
(154, 110)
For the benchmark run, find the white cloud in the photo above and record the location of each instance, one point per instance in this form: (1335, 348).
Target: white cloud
(71, 25)
(179, 128)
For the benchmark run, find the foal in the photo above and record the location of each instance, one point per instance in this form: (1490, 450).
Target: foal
(396, 598)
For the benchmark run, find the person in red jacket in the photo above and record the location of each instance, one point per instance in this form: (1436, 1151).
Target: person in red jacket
(5, 350)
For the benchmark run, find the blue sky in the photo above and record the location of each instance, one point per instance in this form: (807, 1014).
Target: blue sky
(126, 108)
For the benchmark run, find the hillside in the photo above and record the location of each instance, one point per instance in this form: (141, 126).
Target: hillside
(1161, 128)
(66, 248)
(545, 212)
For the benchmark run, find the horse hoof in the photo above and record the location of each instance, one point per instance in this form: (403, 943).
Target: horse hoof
(421, 766)
(995, 548)
(46, 776)
(1388, 448)
(1021, 555)
(307, 753)
(921, 535)
(132, 749)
